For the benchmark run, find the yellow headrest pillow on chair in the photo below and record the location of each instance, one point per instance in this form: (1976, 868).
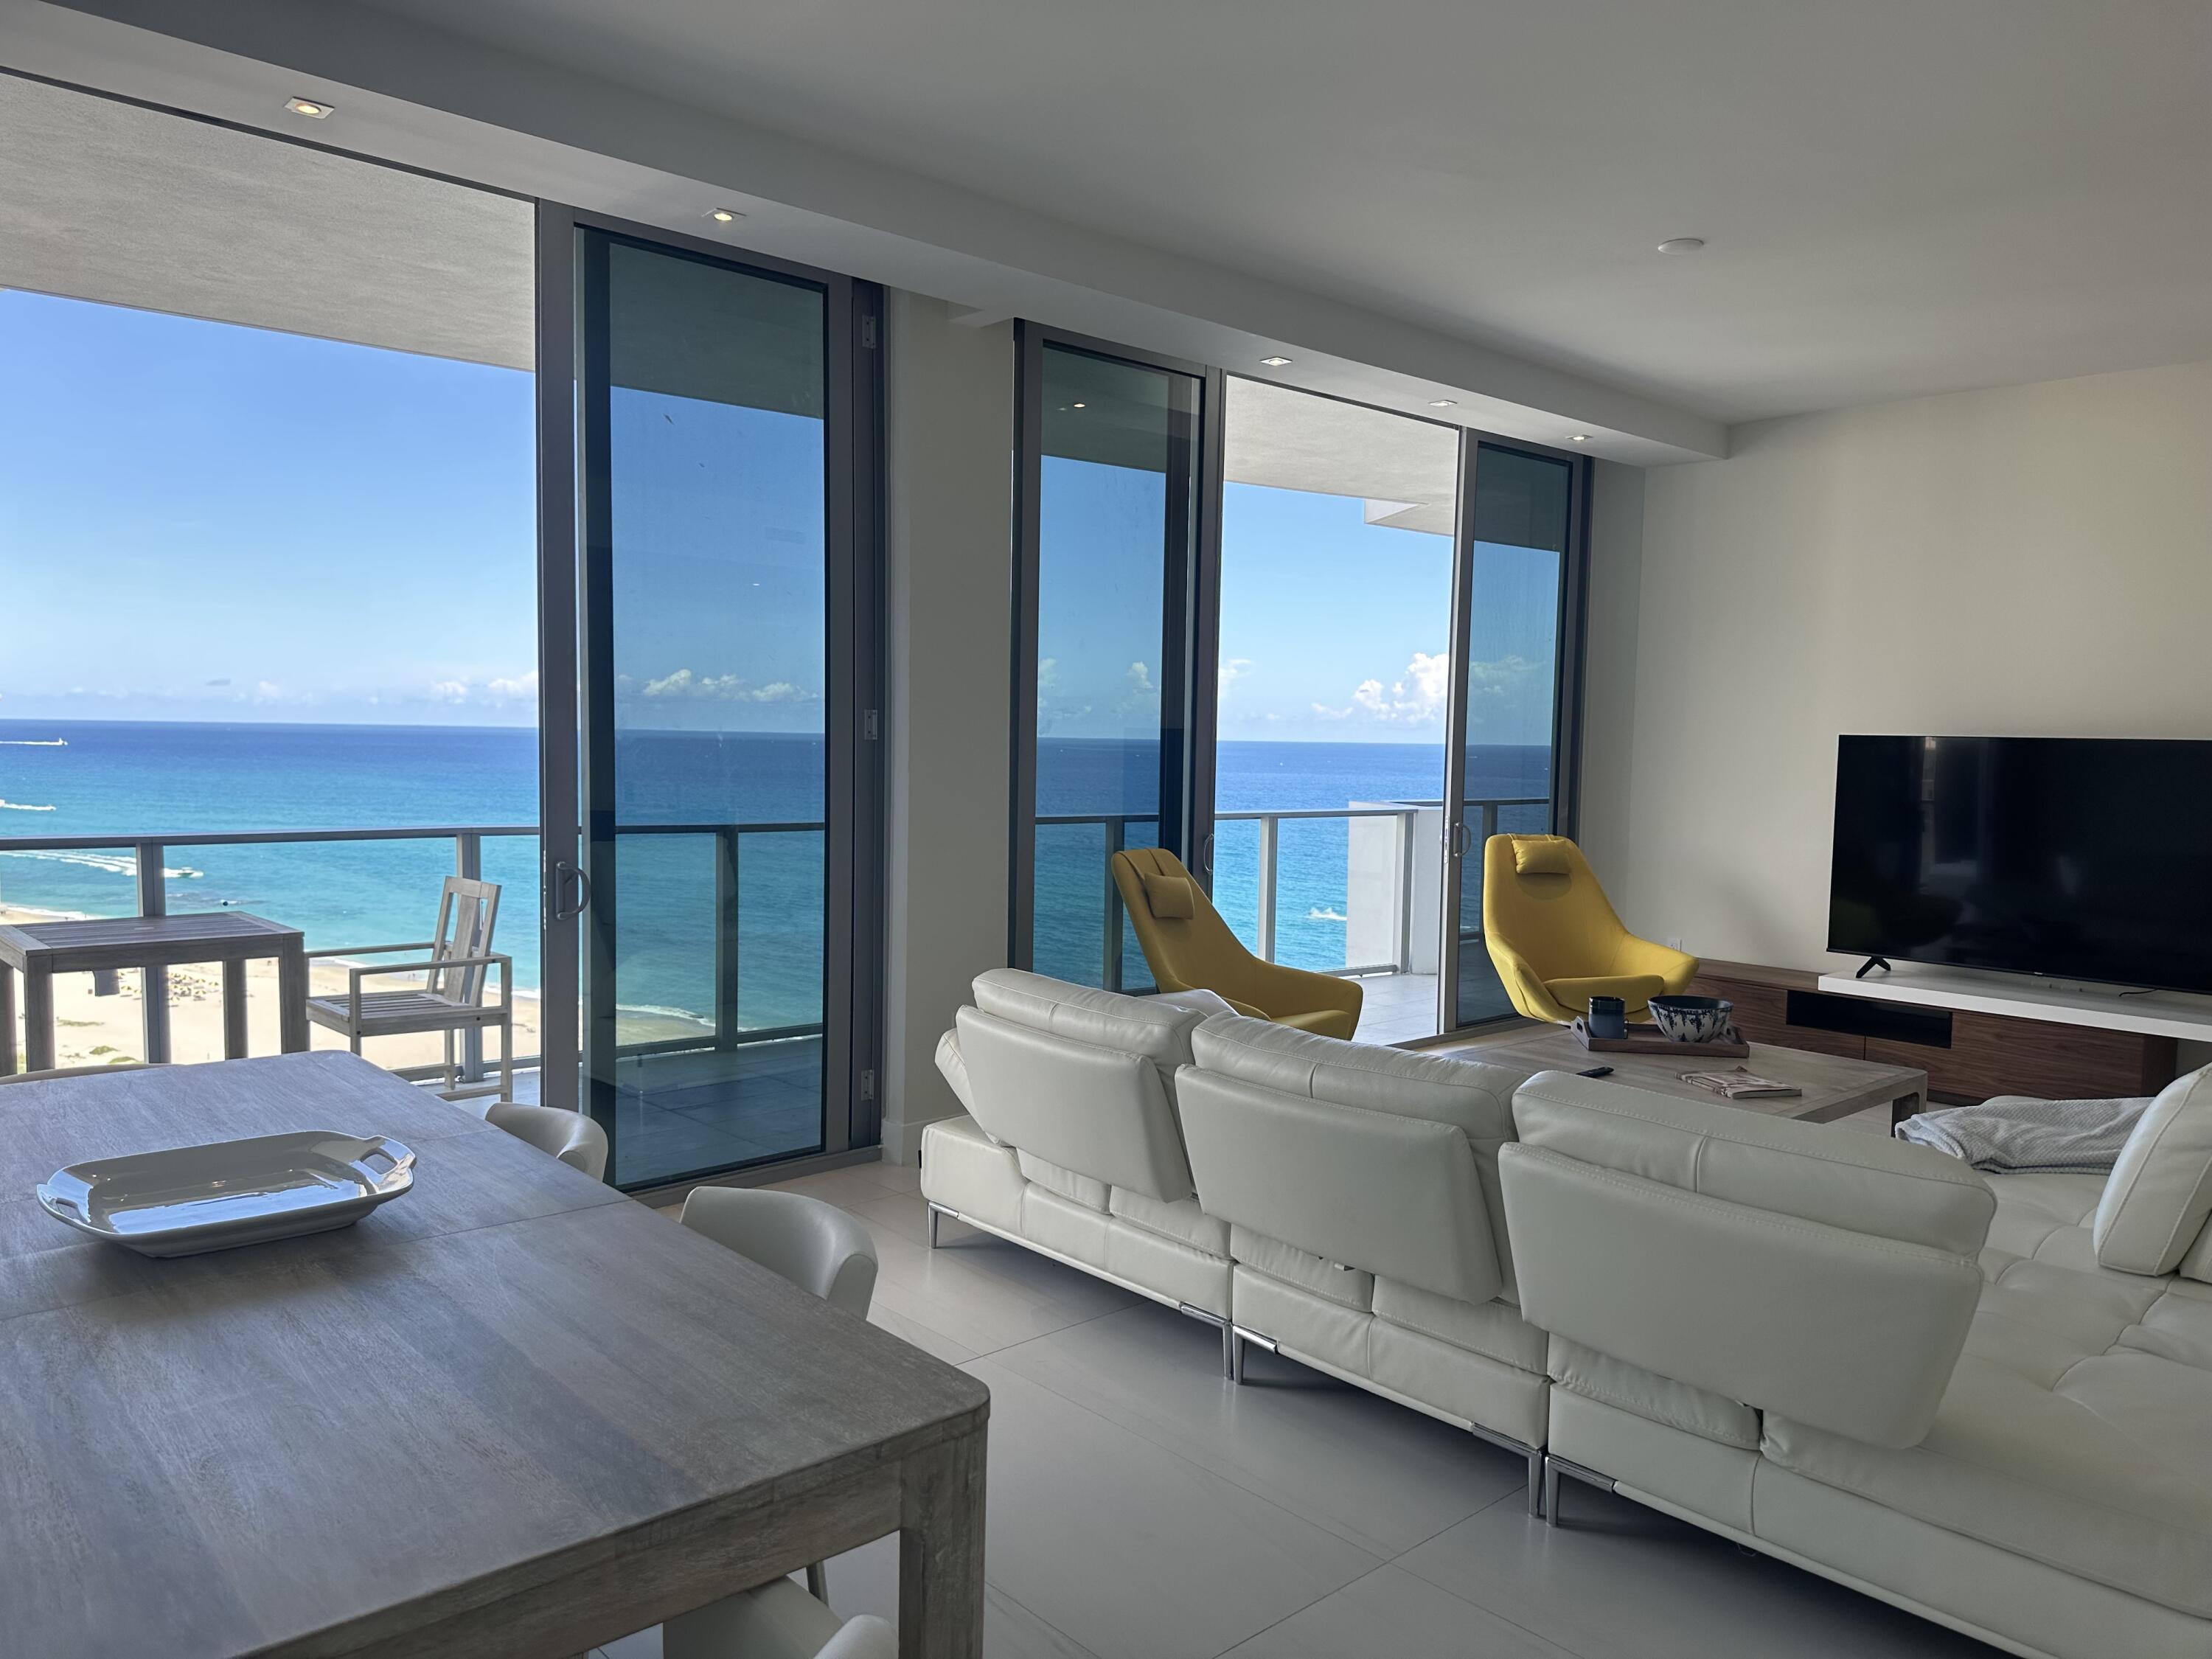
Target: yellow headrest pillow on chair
(1169, 897)
(1542, 856)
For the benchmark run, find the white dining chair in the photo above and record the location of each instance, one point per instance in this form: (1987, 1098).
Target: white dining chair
(816, 1246)
(820, 1249)
(572, 1136)
(776, 1621)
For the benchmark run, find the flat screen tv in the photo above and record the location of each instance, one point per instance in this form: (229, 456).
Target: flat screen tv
(2073, 858)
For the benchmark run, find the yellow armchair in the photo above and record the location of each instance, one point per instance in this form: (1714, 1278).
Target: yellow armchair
(1189, 948)
(1555, 939)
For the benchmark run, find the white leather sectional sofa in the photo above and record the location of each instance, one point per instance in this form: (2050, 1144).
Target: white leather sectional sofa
(1988, 1400)
(1335, 1201)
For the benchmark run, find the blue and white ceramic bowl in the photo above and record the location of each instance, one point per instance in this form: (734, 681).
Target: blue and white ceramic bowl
(1691, 1020)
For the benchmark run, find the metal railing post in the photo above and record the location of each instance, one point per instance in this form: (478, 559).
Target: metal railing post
(468, 864)
(154, 982)
(1401, 942)
(726, 937)
(1267, 843)
(1110, 960)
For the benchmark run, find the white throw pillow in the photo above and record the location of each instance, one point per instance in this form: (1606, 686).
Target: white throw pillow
(2160, 1190)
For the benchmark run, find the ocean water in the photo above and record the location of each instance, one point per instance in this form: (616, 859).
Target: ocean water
(127, 779)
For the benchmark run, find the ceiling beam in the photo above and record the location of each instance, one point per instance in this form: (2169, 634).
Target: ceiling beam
(428, 98)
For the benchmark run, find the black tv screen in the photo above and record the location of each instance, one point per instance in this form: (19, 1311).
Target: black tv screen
(2075, 858)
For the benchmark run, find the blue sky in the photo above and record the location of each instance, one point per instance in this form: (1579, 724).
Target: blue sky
(1333, 629)
(201, 521)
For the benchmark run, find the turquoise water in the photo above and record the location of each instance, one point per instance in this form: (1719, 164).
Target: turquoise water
(130, 779)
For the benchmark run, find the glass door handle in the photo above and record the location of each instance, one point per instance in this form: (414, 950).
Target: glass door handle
(1462, 839)
(1205, 853)
(564, 874)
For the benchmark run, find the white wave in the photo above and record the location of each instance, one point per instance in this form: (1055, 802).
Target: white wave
(18, 806)
(1322, 913)
(664, 1013)
(33, 743)
(114, 863)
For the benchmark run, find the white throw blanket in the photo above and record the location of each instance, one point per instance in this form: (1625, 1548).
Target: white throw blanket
(2015, 1134)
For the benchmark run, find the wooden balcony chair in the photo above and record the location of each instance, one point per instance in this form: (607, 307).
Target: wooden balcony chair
(454, 996)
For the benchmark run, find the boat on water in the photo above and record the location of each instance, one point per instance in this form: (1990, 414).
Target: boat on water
(34, 743)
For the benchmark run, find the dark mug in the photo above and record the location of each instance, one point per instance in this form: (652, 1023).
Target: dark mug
(1608, 1017)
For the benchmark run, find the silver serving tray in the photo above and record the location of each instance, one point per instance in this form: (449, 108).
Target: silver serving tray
(191, 1199)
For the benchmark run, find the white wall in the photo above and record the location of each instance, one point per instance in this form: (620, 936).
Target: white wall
(2034, 560)
(948, 440)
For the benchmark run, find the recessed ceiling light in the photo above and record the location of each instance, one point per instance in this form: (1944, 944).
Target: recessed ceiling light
(1443, 403)
(1579, 437)
(726, 215)
(314, 108)
(1682, 245)
(1082, 405)
(1274, 363)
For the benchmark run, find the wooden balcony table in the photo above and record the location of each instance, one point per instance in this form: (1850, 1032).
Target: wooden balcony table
(40, 950)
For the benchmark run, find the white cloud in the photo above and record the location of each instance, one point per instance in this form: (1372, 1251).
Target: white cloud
(724, 688)
(522, 687)
(1231, 672)
(1140, 678)
(1416, 698)
(269, 691)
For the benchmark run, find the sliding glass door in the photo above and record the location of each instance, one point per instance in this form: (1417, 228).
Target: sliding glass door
(1109, 528)
(721, 682)
(1337, 556)
(1513, 694)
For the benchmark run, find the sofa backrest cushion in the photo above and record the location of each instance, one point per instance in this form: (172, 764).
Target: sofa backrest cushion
(1372, 1158)
(2159, 1191)
(1828, 1276)
(1081, 1078)
(1476, 1098)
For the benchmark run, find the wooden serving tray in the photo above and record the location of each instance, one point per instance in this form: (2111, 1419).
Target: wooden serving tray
(1646, 1040)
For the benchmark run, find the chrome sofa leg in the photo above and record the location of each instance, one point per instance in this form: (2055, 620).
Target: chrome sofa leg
(1550, 1510)
(1539, 1504)
(937, 1212)
(1233, 1352)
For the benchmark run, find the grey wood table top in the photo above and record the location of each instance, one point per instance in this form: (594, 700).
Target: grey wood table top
(128, 941)
(1831, 1086)
(511, 1389)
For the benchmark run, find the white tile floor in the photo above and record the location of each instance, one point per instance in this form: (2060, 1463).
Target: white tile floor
(1142, 1508)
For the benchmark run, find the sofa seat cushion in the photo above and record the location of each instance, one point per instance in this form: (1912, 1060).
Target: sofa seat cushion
(1494, 1328)
(1349, 1286)
(964, 1169)
(1629, 1388)
(1087, 1190)
(1182, 1220)
(2077, 1429)
(2108, 1476)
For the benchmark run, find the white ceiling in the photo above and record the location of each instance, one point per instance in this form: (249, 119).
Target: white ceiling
(1899, 197)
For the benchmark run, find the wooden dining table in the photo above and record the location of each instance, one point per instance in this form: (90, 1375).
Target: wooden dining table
(511, 1413)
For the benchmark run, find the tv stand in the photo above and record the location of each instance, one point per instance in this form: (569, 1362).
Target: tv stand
(1974, 1035)
(2017, 996)
(1870, 964)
